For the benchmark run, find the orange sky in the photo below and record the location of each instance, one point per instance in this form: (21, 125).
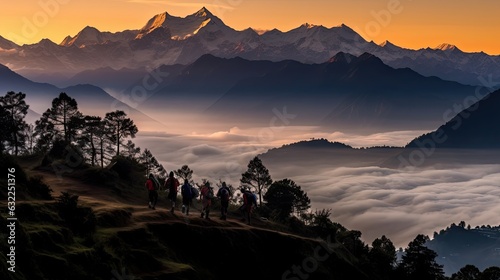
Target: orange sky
(471, 25)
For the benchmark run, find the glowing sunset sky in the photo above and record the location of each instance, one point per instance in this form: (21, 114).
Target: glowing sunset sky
(471, 25)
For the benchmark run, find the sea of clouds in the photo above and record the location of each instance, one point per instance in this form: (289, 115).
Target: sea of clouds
(398, 203)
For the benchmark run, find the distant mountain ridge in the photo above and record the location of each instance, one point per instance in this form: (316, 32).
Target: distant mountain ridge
(91, 99)
(459, 245)
(475, 127)
(167, 39)
(346, 92)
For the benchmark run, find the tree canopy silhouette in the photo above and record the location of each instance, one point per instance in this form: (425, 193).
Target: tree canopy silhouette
(15, 109)
(419, 262)
(257, 177)
(185, 173)
(119, 127)
(285, 197)
(63, 118)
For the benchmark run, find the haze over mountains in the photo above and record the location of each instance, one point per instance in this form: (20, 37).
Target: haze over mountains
(345, 93)
(92, 100)
(474, 127)
(167, 39)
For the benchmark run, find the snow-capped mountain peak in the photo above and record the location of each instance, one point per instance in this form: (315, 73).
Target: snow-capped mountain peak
(158, 21)
(203, 12)
(66, 41)
(309, 25)
(388, 46)
(88, 35)
(180, 28)
(446, 47)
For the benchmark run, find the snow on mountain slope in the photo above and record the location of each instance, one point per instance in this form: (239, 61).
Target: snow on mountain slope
(447, 47)
(183, 28)
(167, 39)
(92, 36)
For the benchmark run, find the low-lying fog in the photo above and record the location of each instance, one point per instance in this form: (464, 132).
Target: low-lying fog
(397, 202)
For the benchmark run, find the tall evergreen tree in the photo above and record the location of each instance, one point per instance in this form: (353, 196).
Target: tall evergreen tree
(382, 257)
(16, 108)
(257, 177)
(119, 127)
(89, 140)
(419, 262)
(63, 118)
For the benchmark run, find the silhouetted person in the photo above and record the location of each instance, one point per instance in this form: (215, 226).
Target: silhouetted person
(224, 194)
(172, 185)
(152, 186)
(249, 202)
(187, 196)
(206, 193)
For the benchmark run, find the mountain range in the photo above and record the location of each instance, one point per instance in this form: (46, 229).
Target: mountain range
(472, 136)
(92, 100)
(474, 127)
(458, 246)
(345, 92)
(167, 39)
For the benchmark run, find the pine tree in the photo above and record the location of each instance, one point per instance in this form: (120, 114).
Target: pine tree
(63, 119)
(382, 257)
(119, 127)
(16, 109)
(89, 140)
(257, 177)
(419, 262)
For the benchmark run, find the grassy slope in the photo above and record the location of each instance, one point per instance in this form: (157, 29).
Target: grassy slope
(132, 239)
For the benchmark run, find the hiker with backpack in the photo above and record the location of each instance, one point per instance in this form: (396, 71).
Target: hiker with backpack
(152, 187)
(224, 194)
(249, 202)
(207, 193)
(172, 185)
(187, 196)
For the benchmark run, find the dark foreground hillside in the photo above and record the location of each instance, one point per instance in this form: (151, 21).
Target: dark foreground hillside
(103, 235)
(96, 225)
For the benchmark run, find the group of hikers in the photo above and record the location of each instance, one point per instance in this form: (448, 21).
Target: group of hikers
(205, 194)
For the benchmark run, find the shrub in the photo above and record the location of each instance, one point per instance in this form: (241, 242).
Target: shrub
(81, 220)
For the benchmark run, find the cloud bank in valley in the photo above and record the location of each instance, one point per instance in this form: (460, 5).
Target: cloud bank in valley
(398, 203)
(403, 203)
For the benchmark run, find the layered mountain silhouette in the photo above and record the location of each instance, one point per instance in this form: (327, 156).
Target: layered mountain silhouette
(92, 100)
(458, 246)
(474, 127)
(348, 92)
(167, 39)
